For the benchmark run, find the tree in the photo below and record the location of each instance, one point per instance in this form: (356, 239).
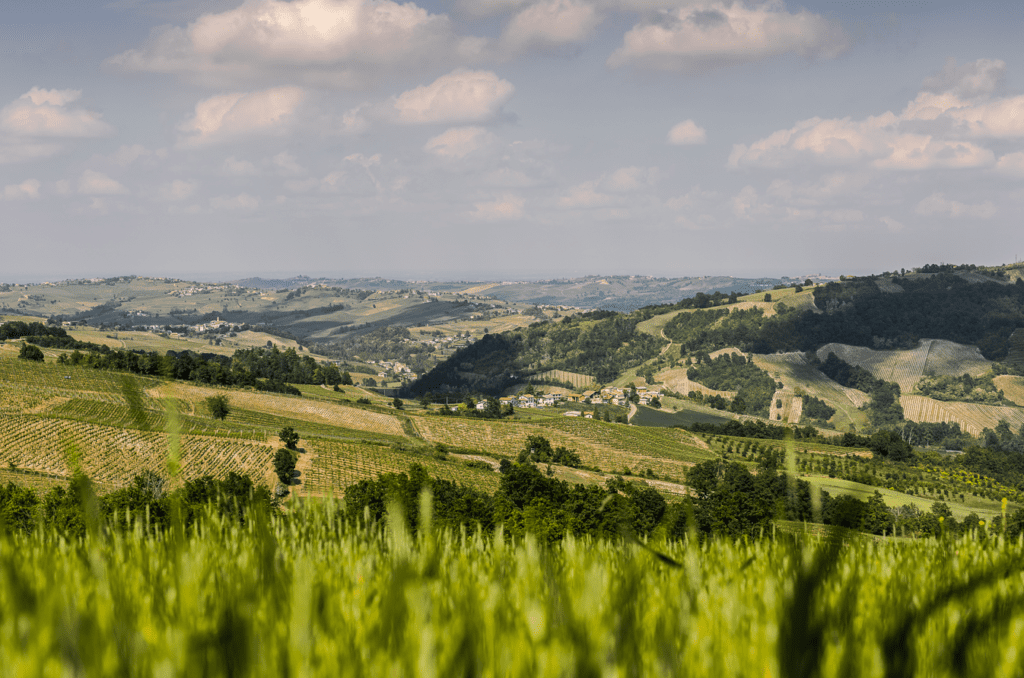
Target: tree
(31, 352)
(284, 465)
(889, 445)
(289, 437)
(218, 406)
(768, 297)
(346, 379)
(397, 403)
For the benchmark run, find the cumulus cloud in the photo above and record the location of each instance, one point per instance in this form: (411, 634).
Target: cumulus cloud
(460, 96)
(970, 80)
(239, 114)
(26, 189)
(937, 204)
(707, 35)
(687, 132)
(937, 129)
(505, 208)
(551, 23)
(344, 43)
(458, 142)
(45, 113)
(97, 183)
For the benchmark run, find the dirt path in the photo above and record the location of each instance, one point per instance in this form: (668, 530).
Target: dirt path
(632, 410)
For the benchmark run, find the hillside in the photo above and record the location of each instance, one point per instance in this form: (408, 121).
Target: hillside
(111, 425)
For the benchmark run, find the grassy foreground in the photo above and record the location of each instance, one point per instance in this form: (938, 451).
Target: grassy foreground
(304, 595)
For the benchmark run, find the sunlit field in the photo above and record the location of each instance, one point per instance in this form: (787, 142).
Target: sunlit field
(307, 594)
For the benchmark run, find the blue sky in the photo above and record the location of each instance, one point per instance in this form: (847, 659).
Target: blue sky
(496, 139)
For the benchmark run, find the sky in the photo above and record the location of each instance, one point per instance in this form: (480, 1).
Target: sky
(507, 139)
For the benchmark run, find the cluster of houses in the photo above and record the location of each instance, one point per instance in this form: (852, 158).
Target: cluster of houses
(610, 396)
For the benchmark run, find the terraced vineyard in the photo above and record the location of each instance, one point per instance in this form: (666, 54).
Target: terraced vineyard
(972, 417)
(934, 356)
(334, 466)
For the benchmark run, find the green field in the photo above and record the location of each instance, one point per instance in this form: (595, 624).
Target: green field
(305, 595)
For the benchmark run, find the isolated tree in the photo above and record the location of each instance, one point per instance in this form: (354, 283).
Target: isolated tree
(397, 403)
(218, 406)
(31, 352)
(768, 297)
(289, 437)
(284, 465)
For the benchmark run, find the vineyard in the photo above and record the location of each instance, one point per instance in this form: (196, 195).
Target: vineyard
(1015, 350)
(906, 367)
(577, 380)
(295, 408)
(115, 455)
(793, 370)
(333, 466)
(972, 417)
(609, 447)
(675, 379)
(1012, 387)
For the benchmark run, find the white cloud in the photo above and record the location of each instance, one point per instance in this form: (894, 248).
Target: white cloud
(938, 205)
(708, 35)
(937, 129)
(504, 208)
(551, 23)
(239, 114)
(242, 201)
(970, 80)
(460, 96)
(45, 113)
(177, 190)
(687, 132)
(344, 43)
(97, 183)
(26, 189)
(458, 142)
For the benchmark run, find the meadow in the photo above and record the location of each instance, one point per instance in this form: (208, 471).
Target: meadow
(309, 594)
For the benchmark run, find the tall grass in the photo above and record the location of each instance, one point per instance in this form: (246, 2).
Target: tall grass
(305, 595)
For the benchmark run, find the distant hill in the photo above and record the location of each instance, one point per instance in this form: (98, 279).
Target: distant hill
(614, 293)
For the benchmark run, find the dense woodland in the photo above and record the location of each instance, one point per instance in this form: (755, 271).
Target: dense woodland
(601, 344)
(858, 312)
